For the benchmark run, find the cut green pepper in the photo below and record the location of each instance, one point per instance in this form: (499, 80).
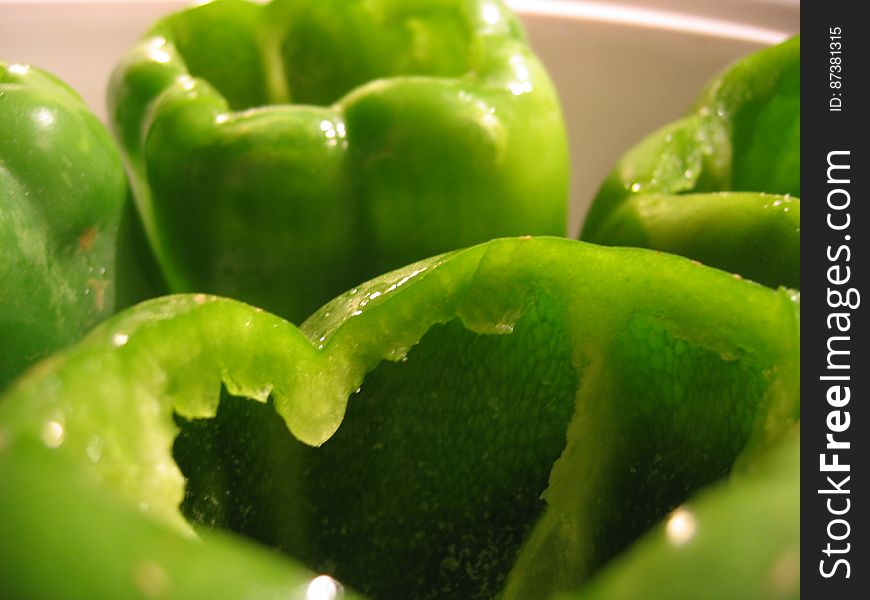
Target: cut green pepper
(640, 376)
(738, 539)
(334, 141)
(62, 194)
(721, 185)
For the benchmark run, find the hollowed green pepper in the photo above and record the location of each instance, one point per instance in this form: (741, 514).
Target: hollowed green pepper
(281, 153)
(442, 401)
(62, 194)
(722, 184)
(697, 552)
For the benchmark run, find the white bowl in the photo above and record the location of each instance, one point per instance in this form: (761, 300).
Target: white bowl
(622, 68)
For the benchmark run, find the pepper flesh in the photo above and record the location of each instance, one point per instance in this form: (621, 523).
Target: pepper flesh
(722, 184)
(656, 343)
(754, 515)
(339, 140)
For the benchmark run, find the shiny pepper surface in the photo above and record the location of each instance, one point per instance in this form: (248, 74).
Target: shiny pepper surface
(62, 195)
(283, 153)
(722, 184)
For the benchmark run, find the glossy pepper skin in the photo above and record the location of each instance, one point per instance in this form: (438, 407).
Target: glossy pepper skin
(336, 140)
(644, 375)
(722, 184)
(62, 195)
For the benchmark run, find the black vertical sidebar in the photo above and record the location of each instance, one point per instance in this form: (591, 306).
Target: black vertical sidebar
(835, 170)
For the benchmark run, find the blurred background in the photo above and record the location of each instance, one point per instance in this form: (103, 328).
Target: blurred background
(623, 68)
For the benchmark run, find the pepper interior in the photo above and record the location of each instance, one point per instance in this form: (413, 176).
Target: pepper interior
(315, 52)
(431, 482)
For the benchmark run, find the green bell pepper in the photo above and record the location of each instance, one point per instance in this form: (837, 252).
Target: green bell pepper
(282, 153)
(440, 402)
(697, 551)
(722, 184)
(63, 196)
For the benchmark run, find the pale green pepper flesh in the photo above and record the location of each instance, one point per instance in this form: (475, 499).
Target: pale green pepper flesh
(599, 343)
